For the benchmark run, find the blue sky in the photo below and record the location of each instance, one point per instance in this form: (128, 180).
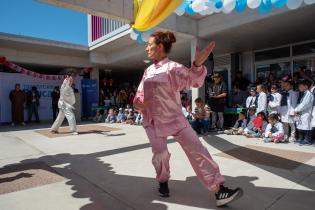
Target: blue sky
(32, 18)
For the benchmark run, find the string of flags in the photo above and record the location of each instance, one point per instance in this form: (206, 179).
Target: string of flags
(21, 70)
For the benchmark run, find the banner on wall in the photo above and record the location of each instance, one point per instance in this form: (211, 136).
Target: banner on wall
(89, 96)
(45, 87)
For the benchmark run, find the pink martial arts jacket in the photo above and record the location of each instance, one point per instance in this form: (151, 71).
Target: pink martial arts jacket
(159, 91)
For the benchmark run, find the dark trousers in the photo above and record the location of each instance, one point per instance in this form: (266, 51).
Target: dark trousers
(33, 108)
(305, 135)
(55, 111)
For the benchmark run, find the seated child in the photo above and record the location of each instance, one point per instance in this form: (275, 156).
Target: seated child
(139, 119)
(98, 117)
(189, 115)
(111, 118)
(130, 117)
(239, 125)
(121, 117)
(256, 127)
(274, 131)
(201, 116)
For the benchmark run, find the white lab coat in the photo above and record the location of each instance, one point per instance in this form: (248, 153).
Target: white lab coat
(250, 100)
(305, 111)
(275, 103)
(313, 112)
(287, 112)
(279, 129)
(261, 103)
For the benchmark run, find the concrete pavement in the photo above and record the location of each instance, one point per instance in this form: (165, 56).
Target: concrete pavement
(112, 170)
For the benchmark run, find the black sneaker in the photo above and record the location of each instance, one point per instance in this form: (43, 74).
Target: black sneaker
(226, 195)
(163, 190)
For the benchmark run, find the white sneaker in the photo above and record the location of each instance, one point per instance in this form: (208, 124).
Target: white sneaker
(75, 133)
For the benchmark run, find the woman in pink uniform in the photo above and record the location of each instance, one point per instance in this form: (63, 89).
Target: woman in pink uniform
(158, 99)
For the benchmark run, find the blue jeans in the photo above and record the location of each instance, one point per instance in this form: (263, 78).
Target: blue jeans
(200, 125)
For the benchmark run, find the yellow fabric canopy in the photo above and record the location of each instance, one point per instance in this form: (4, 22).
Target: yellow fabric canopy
(150, 13)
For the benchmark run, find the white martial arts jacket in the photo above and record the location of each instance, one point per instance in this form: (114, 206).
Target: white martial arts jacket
(275, 102)
(304, 108)
(67, 98)
(287, 112)
(261, 103)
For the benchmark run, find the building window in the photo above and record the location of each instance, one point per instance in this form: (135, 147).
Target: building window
(276, 69)
(272, 54)
(308, 62)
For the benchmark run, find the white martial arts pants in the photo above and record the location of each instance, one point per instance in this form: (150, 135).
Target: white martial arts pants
(68, 113)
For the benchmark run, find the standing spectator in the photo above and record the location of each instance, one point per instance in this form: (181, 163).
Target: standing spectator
(252, 98)
(274, 100)
(240, 81)
(32, 103)
(238, 97)
(131, 97)
(287, 106)
(65, 105)
(304, 113)
(217, 93)
(55, 95)
(261, 99)
(113, 99)
(102, 97)
(17, 98)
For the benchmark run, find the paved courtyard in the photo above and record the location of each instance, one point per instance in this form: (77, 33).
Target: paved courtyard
(108, 167)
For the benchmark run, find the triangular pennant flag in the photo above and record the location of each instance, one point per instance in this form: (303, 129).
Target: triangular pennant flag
(47, 77)
(59, 77)
(41, 76)
(22, 71)
(53, 77)
(34, 74)
(28, 72)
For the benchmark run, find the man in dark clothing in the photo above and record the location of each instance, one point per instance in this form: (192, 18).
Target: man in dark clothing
(55, 95)
(32, 103)
(241, 81)
(17, 98)
(218, 94)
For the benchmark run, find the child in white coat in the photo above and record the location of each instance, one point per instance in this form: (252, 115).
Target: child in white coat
(274, 131)
(261, 99)
(287, 106)
(303, 112)
(274, 100)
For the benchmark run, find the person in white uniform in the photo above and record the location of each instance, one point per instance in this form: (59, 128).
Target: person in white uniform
(261, 99)
(313, 112)
(303, 111)
(274, 100)
(65, 105)
(287, 106)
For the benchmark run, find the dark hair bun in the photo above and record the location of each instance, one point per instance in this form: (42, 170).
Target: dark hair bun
(170, 36)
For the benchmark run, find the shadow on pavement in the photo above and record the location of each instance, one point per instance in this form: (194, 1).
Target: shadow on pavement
(134, 192)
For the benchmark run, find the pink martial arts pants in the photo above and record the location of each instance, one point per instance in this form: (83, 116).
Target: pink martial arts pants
(204, 166)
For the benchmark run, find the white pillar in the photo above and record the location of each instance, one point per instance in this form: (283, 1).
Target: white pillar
(196, 92)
